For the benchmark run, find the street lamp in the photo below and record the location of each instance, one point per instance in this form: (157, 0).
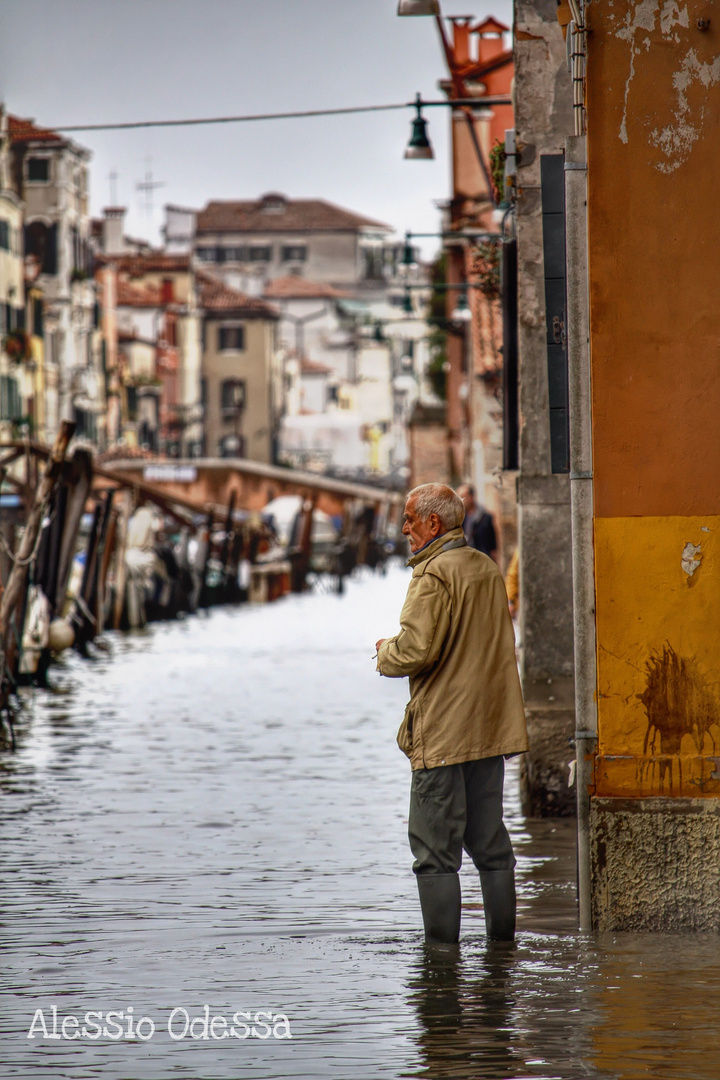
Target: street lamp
(408, 255)
(418, 7)
(459, 87)
(461, 312)
(419, 147)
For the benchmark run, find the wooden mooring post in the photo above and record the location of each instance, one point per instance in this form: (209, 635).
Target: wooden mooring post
(13, 596)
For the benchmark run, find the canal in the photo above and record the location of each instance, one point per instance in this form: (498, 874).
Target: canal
(210, 820)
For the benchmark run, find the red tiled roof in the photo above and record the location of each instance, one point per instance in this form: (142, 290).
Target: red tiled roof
(138, 296)
(293, 287)
(129, 337)
(26, 131)
(491, 25)
(313, 367)
(152, 262)
(277, 214)
(215, 295)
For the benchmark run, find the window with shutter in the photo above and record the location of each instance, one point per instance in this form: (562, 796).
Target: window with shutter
(232, 396)
(231, 338)
(294, 252)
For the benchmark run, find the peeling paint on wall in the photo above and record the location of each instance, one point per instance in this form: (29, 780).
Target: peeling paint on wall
(690, 559)
(641, 18)
(676, 138)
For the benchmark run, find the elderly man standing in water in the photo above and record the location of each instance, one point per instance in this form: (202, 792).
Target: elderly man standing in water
(465, 714)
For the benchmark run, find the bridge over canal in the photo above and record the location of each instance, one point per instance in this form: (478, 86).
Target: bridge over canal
(205, 482)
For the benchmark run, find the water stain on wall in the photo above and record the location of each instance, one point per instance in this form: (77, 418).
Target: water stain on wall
(678, 702)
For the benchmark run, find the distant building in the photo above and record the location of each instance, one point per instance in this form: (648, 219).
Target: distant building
(49, 173)
(310, 330)
(242, 385)
(334, 279)
(179, 229)
(157, 379)
(14, 345)
(108, 235)
(252, 242)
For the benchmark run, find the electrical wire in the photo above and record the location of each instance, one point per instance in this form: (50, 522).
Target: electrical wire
(478, 103)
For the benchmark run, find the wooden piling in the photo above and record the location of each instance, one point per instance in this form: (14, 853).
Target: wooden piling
(14, 595)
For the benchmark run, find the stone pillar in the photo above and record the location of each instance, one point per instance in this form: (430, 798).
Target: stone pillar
(543, 119)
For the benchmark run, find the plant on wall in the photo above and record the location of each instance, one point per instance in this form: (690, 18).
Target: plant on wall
(17, 345)
(485, 269)
(497, 170)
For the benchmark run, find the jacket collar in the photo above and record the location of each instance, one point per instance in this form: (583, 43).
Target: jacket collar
(453, 538)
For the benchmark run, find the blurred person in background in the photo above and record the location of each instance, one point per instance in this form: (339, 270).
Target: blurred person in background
(478, 526)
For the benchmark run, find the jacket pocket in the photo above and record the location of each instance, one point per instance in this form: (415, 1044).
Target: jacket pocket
(405, 732)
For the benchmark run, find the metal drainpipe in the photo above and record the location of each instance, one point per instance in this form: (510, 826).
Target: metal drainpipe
(575, 42)
(581, 502)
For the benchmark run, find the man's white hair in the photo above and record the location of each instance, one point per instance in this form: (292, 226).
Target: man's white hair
(441, 500)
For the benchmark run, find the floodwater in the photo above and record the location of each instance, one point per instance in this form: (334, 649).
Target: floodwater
(210, 820)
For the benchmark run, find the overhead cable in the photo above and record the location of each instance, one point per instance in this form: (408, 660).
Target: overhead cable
(479, 103)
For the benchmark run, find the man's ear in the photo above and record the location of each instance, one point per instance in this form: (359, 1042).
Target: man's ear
(435, 524)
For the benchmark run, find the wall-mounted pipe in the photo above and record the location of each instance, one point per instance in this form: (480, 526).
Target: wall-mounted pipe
(581, 503)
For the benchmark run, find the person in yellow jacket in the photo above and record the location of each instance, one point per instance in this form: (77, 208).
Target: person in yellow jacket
(465, 715)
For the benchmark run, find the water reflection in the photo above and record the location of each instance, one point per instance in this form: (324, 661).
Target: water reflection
(658, 1006)
(464, 1028)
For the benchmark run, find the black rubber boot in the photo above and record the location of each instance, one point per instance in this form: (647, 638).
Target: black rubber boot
(498, 889)
(440, 906)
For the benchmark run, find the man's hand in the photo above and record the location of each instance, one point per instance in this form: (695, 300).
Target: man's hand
(379, 643)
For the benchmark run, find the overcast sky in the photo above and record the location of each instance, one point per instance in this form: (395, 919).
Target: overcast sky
(94, 61)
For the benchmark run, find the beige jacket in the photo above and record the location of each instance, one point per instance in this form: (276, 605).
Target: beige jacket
(457, 645)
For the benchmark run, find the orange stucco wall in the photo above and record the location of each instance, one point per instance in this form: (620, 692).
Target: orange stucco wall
(653, 123)
(653, 105)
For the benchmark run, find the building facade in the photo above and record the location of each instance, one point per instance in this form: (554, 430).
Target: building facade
(15, 349)
(50, 174)
(240, 372)
(157, 378)
(645, 394)
(251, 242)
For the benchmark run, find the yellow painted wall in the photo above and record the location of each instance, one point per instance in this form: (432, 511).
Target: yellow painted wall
(181, 282)
(11, 262)
(252, 365)
(658, 626)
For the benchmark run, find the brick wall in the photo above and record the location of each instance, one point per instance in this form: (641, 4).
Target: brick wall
(429, 446)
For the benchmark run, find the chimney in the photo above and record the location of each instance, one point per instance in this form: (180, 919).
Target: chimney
(461, 39)
(113, 232)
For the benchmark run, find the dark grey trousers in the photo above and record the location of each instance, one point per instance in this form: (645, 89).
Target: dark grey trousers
(459, 806)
